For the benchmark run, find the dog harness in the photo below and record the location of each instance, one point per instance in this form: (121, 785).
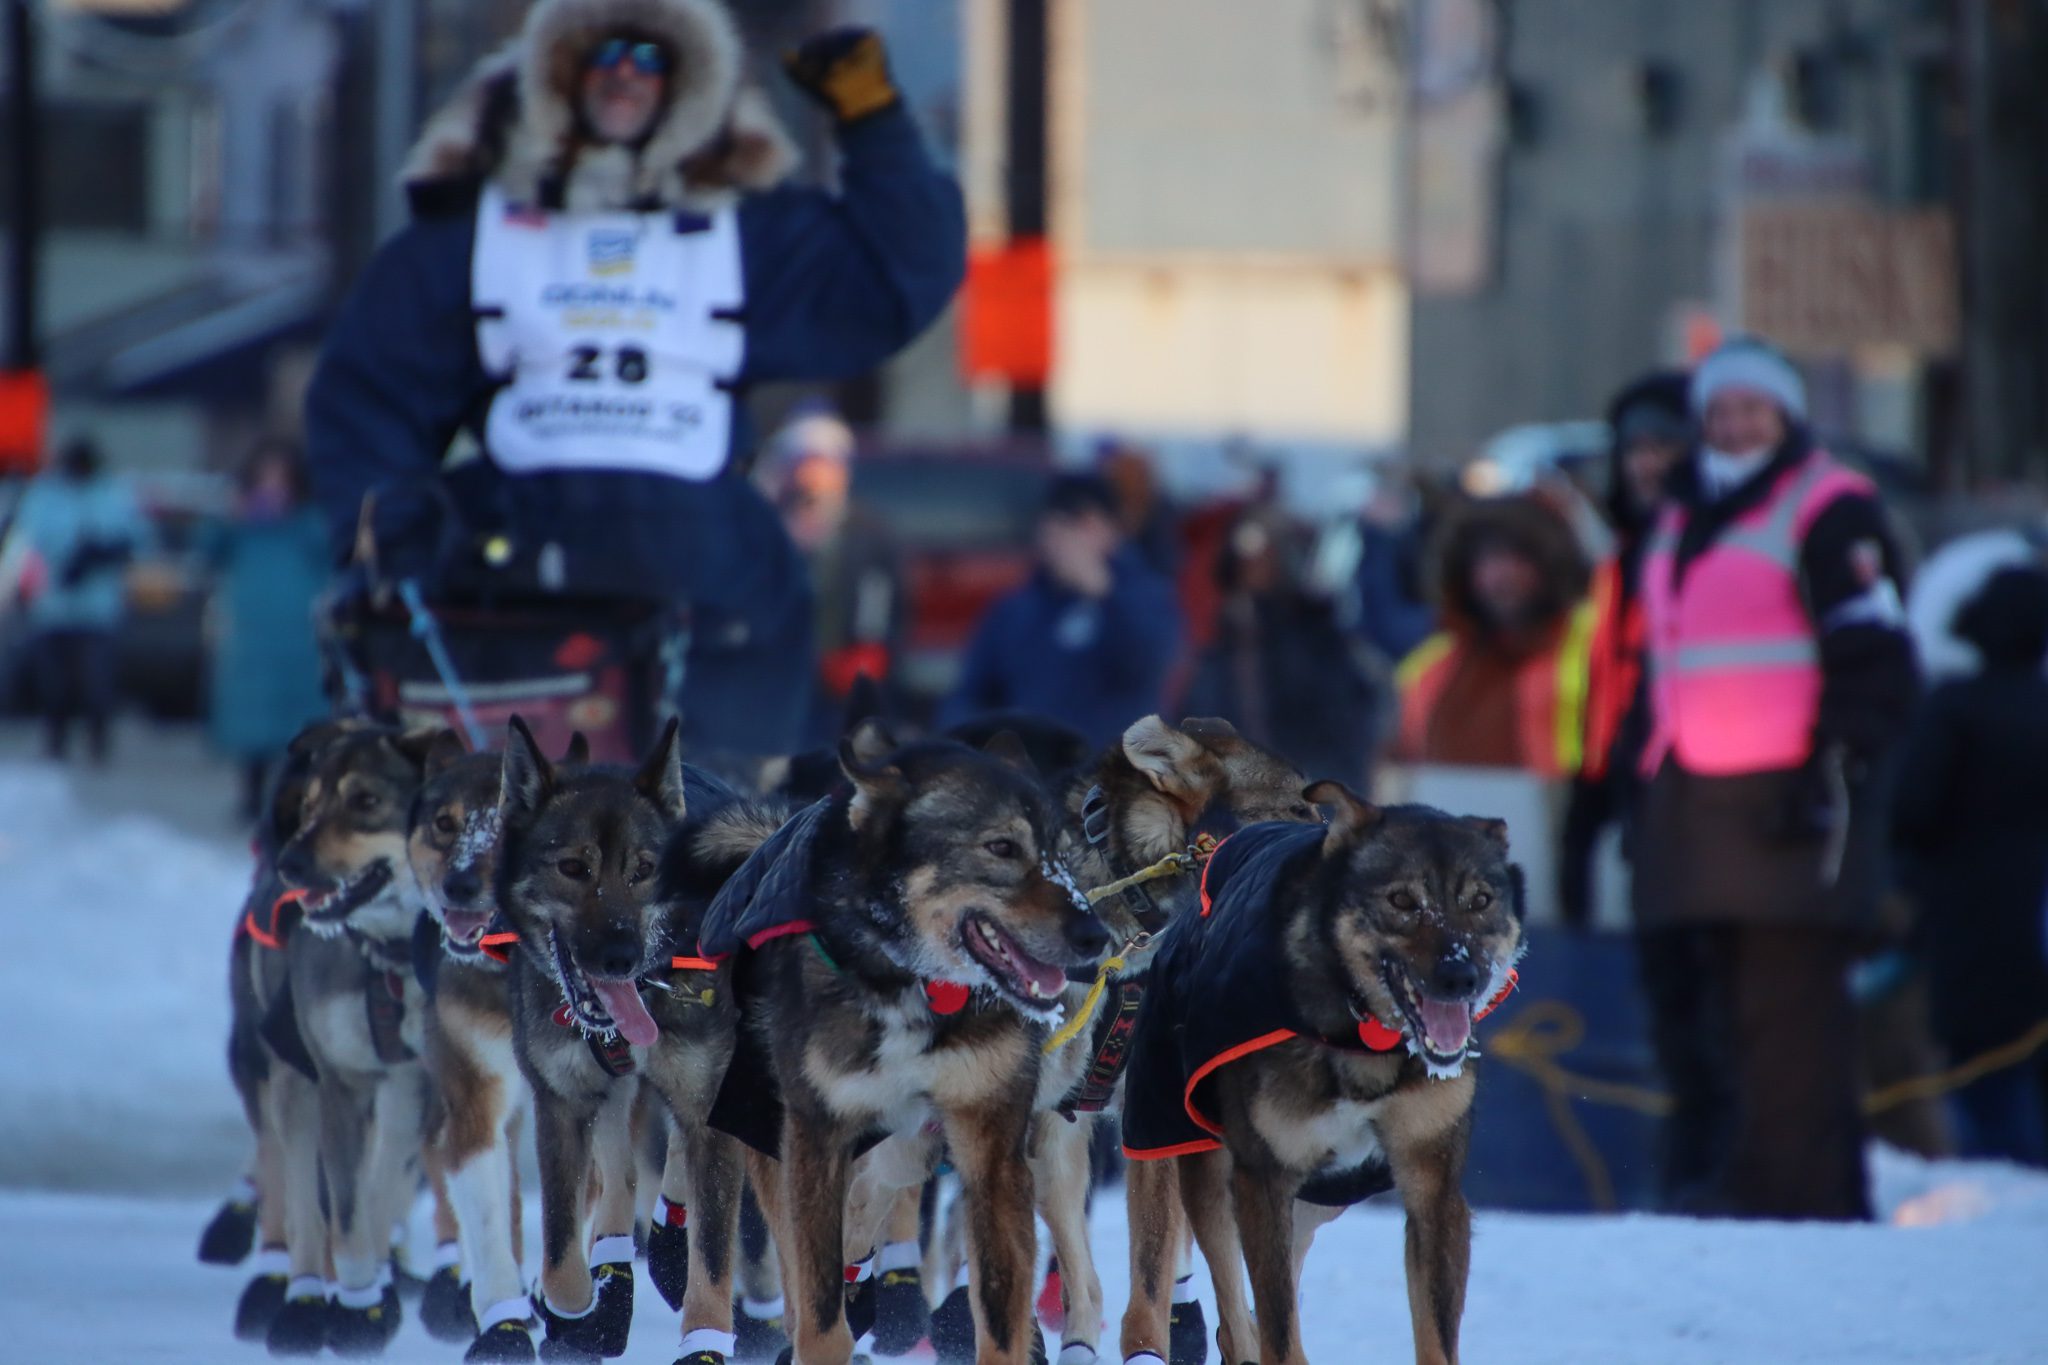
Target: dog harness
(1219, 994)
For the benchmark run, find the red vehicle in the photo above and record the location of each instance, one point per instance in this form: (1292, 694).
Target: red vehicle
(963, 521)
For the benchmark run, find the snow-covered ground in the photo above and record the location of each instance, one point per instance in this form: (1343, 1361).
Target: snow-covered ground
(111, 1081)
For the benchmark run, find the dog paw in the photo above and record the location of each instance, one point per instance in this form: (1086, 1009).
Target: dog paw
(261, 1298)
(860, 1308)
(1187, 1336)
(364, 1331)
(701, 1358)
(231, 1235)
(503, 1344)
(668, 1262)
(902, 1314)
(953, 1329)
(756, 1340)
(445, 1309)
(299, 1327)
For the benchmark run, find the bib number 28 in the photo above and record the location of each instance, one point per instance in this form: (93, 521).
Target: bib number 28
(587, 364)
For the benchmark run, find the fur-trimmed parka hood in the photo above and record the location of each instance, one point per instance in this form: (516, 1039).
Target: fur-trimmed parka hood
(514, 120)
(1531, 526)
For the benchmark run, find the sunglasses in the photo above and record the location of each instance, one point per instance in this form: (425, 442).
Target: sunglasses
(647, 58)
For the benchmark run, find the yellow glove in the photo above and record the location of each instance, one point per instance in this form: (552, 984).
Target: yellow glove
(847, 71)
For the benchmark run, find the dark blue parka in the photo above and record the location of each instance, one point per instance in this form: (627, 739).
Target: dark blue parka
(835, 283)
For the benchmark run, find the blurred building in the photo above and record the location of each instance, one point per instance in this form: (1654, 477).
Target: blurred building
(1222, 246)
(1598, 188)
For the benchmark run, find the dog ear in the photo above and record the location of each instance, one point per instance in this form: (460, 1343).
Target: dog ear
(527, 777)
(435, 748)
(1172, 761)
(1352, 815)
(316, 737)
(869, 741)
(878, 787)
(1209, 730)
(1009, 747)
(863, 702)
(578, 751)
(660, 779)
(1496, 830)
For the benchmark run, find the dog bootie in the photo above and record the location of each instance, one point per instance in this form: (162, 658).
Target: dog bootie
(507, 1342)
(903, 1316)
(363, 1329)
(706, 1346)
(263, 1295)
(444, 1307)
(1052, 1299)
(757, 1332)
(953, 1329)
(1187, 1336)
(231, 1235)
(601, 1331)
(668, 1253)
(299, 1327)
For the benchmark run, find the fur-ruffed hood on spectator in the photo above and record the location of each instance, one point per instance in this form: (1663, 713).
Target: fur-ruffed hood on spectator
(1533, 527)
(514, 120)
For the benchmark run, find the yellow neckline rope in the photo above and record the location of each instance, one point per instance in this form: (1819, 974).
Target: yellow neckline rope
(1187, 860)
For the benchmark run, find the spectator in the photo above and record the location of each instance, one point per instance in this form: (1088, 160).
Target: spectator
(1503, 681)
(1148, 521)
(1972, 820)
(856, 575)
(83, 528)
(271, 562)
(1779, 668)
(1281, 669)
(1392, 611)
(1651, 433)
(1089, 641)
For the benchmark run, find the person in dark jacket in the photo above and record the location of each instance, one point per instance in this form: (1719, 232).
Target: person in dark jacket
(855, 567)
(1282, 669)
(1780, 671)
(1651, 431)
(1971, 818)
(605, 252)
(1089, 641)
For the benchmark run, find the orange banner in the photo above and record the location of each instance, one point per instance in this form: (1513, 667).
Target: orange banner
(24, 417)
(1006, 314)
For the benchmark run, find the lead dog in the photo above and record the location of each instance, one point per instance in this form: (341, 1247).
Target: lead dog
(902, 945)
(606, 990)
(1313, 1020)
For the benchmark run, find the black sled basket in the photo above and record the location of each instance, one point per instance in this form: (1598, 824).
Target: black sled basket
(606, 670)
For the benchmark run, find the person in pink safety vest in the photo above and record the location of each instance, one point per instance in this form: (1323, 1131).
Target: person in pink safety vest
(1779, 672)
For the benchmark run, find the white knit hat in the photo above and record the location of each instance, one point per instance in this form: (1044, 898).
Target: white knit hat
(1749, 363)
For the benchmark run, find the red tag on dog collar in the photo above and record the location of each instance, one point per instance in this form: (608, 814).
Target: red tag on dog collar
(1377, 1036)
(946, 997)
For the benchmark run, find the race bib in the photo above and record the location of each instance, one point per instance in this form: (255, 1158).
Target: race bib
(615, 337)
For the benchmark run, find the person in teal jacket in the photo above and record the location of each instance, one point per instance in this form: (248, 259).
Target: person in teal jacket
(271, 561)
(82, 529)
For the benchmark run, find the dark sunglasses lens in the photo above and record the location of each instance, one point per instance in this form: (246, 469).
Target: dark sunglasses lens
(650, 59)
(608, 54)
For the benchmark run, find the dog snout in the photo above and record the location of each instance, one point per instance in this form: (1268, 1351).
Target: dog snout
(295, 865)
(462, 887)
(617, 956)
(1087, 936)
(1456, 976)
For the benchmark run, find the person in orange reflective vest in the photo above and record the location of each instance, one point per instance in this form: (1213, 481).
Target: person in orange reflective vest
(1503, 681)
(1651, 426)
(1779, 673)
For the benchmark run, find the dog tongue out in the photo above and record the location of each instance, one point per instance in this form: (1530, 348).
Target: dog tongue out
(1049, 980)
(1447, 1024)
(622, 1002)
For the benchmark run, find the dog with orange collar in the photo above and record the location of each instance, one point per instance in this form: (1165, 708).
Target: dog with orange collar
(1309, 1036)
